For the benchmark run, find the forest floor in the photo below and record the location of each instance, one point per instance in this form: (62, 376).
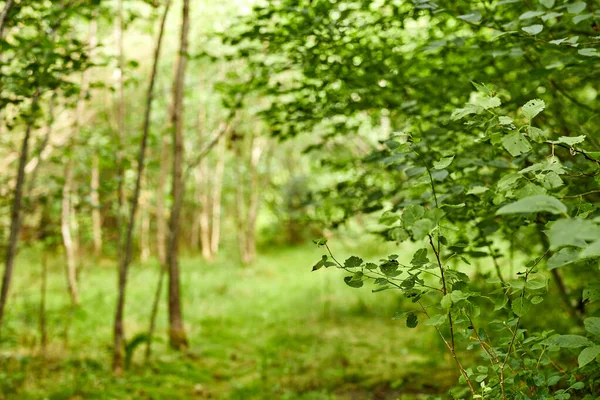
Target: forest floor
(273, 330)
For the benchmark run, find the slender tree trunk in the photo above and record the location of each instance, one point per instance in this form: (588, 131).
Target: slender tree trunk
(563, 291)
(95, 168)
(118, 31)
(65, 226)
(195, 217)
(125, 259)
(68, 218)
(240, 207)
(154, 313)
(161, 222)
(15, 216)
(202, 184)
(253, 198)
(177, 335)
(95, 201)
(144, 229)
(216, 196)
(203, 219)
(45, 222)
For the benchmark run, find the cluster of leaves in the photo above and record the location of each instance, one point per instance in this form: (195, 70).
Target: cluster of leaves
(518, 359)
(464, 171)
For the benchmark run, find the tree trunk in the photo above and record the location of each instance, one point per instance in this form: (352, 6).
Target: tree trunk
(154, 312)
(126, 252)
(563, 291)
(177, 335)
(144, 229)
(95, 169)
(118, 32)
(95, 202)
(203, 219)
(15, 216)
(202, 185)
(65, 225)
(195, 229)
(216, 196)
(240, 206)
(161, 221)
(68, 219)
(253, 198)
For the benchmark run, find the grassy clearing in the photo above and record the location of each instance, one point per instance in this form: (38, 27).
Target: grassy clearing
(270, 331)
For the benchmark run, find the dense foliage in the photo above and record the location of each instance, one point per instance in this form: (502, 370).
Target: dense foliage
(506, 170)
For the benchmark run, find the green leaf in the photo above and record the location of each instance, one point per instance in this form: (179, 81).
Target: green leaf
(533, 108)
(577, 385)
(588, 355)
(591, 251)
(547, 3)
(551, 15)
(437, 320)
(577, 7)
(353, 262)
(516, 144)
(572, 41)
(531, 14)
(591, 292)
(412, 320)
(422, 227)
(571, 141)
(420, 258)
(579, 18)
(411, 214)
(505, 120)
(589, 52)
(443, 163)
(446, 301)
(477, 190)
(537, 283)
(536, 134)
(488, 102)
(483, 88)
(390, 268)
(370, 266)
(459, 295)
(533, 29)
(520, 306)
(571, 232)
(352, 283)
(568, 341)
(534, 204)
(537, 299)
(358, 276)
(474, 17)
(500, 302)
(320, 264)
(592, 325)
(468, 109)
(563, 257)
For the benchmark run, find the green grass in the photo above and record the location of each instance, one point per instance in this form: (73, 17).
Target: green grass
(273, 330)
